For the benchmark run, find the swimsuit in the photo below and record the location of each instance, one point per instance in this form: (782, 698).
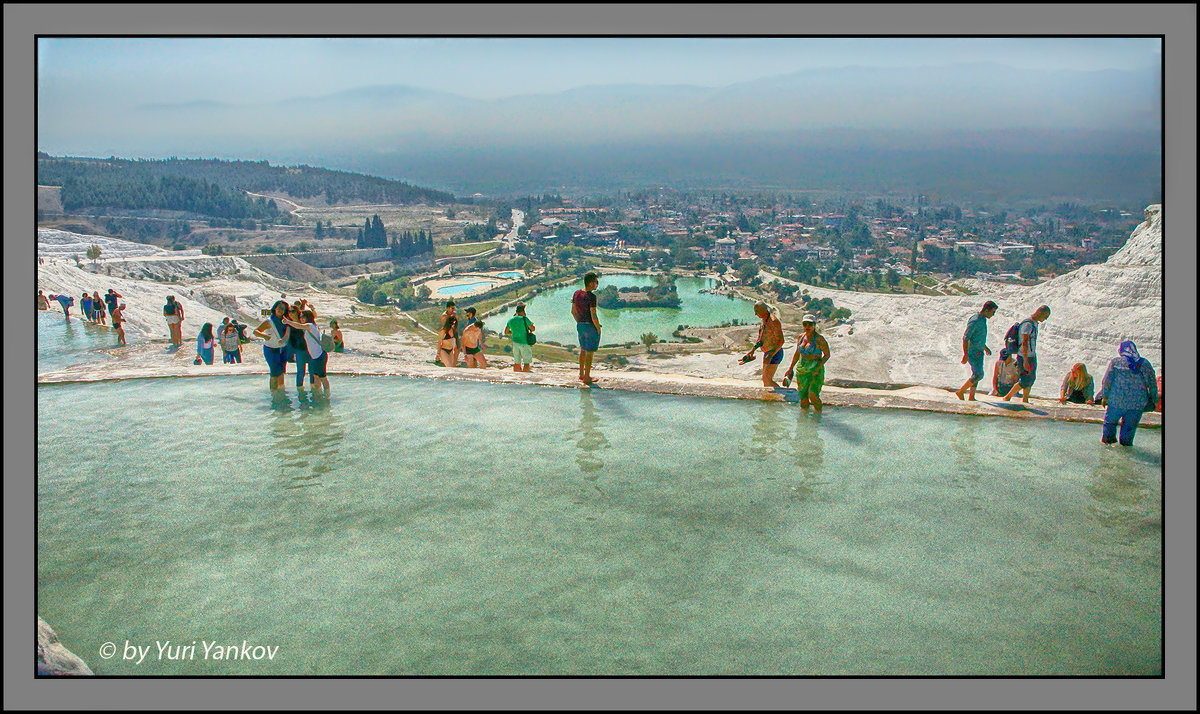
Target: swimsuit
(810, 373)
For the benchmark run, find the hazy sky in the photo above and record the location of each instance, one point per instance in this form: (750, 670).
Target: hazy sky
(95, 72)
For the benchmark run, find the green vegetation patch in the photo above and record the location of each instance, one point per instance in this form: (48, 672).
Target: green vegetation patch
(460, 250)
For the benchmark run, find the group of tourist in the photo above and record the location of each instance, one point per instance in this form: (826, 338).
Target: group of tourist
(469, 339)
(231, 335)
(95, 309)
(1128, 390)
(290, 334)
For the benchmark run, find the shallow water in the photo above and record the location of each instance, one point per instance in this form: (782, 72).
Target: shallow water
(63, 343)
(551, 312)
(534, 530)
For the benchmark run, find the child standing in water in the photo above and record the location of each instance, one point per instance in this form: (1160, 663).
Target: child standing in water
(231, 346)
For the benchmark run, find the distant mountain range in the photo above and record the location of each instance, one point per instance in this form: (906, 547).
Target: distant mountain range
(403, 131)
(959, 97)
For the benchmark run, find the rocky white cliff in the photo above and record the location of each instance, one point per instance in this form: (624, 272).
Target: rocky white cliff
(917, 339)
(912, 339)
(210, 288)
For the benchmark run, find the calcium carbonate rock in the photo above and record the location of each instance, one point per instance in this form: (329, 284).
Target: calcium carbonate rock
(53, 658)
(917, 339)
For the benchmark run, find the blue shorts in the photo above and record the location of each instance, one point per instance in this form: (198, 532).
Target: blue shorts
(275, 360)
(589, 337)
(975, 359)
(1027, 378)
(777, 358)
(316, 367)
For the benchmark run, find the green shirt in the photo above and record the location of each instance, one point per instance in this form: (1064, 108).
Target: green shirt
(517, 327)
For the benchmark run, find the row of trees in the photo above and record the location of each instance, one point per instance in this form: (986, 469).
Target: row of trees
(115, 189)
(372, 234)
(409, 244)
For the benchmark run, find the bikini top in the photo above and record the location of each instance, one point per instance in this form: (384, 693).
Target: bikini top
(812, 349)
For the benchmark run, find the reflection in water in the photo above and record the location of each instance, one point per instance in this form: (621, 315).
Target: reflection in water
(590, 439)
(808, 453)
(1121, 497)
(767, 433)
(964, 441)
(306, 437)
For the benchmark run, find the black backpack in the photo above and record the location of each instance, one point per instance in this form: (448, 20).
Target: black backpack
(1012, 338)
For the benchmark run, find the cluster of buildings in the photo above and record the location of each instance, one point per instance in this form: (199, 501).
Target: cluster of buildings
(717, 232)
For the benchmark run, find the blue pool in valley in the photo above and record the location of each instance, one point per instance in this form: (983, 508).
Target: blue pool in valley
(461, 288)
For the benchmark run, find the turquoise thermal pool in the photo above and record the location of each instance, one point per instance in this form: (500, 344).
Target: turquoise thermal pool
(551, 312)
(425, 527)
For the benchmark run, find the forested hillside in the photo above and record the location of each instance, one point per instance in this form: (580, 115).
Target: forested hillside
(212, 187)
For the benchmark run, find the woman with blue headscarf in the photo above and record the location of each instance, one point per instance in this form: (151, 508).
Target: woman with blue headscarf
(1130, 387)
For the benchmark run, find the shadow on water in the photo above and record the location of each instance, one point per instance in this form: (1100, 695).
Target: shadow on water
(590, 441)
(612, 402)
(787, 395)
(836, 427)
(1008, 406)
(306, 438)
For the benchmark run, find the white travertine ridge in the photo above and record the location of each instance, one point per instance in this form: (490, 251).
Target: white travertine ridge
(911, 339)
(917, 339)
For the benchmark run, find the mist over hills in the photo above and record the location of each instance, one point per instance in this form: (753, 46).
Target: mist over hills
(852, 128)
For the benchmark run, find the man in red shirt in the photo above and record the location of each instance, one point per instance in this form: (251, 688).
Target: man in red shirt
(587, 324)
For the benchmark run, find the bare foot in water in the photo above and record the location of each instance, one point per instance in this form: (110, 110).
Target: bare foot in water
(958, 394)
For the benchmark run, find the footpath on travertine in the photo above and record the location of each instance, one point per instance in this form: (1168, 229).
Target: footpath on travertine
(155, 361)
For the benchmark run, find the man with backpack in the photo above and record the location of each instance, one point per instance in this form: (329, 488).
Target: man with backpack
(974, 347)
(1021, 339)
